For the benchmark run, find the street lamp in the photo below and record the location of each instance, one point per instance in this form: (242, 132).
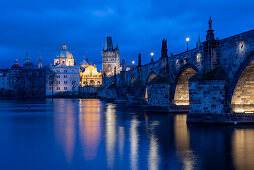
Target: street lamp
(152, 54)
(133, 62)
(187, 40)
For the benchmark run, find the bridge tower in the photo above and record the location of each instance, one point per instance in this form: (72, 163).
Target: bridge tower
(110, 58)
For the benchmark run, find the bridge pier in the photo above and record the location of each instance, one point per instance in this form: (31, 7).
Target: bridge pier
(208, 97)
(158, 91)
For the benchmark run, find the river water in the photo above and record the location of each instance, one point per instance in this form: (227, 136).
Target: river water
(92, 134)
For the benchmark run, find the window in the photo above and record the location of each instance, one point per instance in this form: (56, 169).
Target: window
(65, 82)
(58, 82)
(65, 71)
(58, 76)
(58, 88)
(65, 88)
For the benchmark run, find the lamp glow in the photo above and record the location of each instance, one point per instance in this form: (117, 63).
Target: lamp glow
(187, 39)
(152, 54)
(133, 62)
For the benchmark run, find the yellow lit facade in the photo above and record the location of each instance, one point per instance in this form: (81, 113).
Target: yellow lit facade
(89, 76)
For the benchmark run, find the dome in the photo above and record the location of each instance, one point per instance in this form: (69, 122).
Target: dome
(64, 53)
(15, 67)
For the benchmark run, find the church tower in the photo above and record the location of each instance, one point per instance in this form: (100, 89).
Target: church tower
(40, 63)
(110, 58)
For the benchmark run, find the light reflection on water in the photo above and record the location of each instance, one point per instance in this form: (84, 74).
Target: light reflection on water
(91, 134)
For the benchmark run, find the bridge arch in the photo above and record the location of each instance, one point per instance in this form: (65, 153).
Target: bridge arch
(180, 88)
(242, 86)
(150, 76)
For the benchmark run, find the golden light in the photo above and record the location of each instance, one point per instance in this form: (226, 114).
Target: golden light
(152, 54)
(187, 39)
(133, 62)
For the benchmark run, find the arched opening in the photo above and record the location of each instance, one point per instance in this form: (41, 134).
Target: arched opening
(152, 76)
(91, 83)
(243, 95)
(181, 95)
(98, 83)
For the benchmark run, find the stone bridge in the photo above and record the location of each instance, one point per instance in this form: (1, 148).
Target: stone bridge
(215, 78)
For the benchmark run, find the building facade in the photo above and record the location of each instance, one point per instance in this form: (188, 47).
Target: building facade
(110, 59)
(23, 82)
(89, 76)
(63, 77)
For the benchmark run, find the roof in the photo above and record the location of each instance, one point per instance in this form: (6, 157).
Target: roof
(109, 44)
(64, 53)
(15, 67)
(84, 63)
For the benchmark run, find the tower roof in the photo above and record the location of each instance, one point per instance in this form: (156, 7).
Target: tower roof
(109, 44)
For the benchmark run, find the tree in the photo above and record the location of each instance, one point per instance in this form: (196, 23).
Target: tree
(74, 83)
(52, 80)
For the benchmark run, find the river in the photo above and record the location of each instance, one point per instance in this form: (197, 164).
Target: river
(93, 134)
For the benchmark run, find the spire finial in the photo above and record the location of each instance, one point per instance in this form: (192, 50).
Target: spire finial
(210, 23)
(198, 44)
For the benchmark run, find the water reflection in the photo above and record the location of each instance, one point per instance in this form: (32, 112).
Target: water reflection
(243, 148)
(134, 143)
(121, 136)
(92, 134)
(182, 141)
(90, 126)
(65, 123)
(110, 134)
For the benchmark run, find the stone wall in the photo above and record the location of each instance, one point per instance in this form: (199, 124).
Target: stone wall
(107, 93)
(208, 97)
(158, 95)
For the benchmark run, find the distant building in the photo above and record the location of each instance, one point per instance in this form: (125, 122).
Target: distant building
(23, 82)
(63, 77)
(89, 76)
(110, 58)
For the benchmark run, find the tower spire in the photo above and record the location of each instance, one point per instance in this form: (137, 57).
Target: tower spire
(27, 58)
(198, 44)
(40, 63)
(109, 44)
(210, 22)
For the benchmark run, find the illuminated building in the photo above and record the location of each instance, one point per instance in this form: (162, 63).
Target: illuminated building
(110, 58)
(64, 76)
(89, 76)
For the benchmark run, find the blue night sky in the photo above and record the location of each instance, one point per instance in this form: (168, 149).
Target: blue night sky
(41, 27)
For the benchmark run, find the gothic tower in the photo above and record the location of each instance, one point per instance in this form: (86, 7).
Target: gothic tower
(110, 58)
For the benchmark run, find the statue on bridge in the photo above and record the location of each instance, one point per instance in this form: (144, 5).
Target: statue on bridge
(164, 58)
